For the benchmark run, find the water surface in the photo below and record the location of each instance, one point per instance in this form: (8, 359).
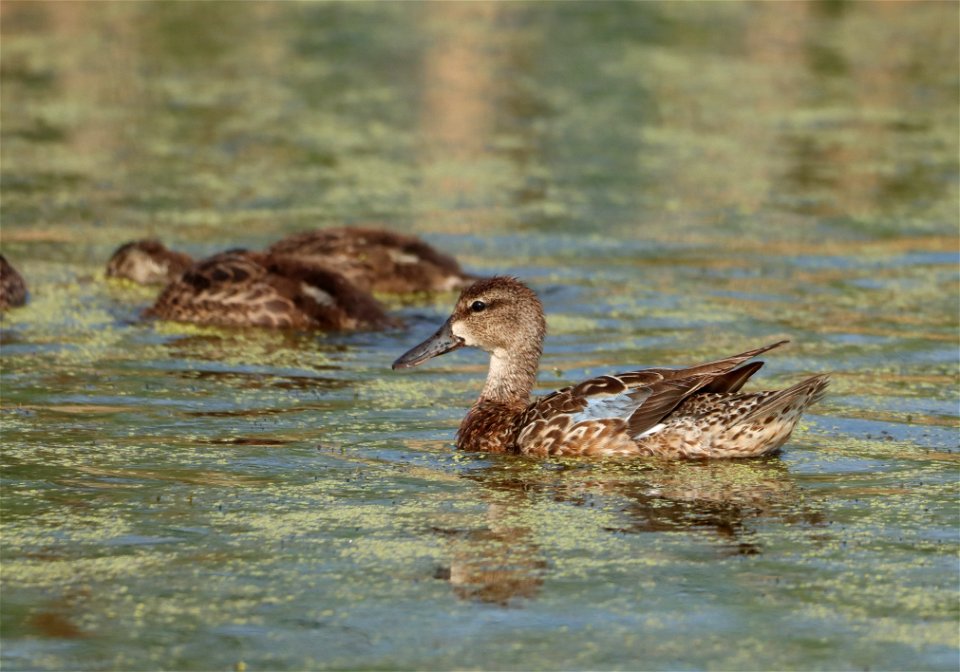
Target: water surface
(679, 181)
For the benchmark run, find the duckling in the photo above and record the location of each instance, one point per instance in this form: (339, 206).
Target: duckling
(378, 260)
(13, 289)
(243, 289)
(694, 412)
(147, 262)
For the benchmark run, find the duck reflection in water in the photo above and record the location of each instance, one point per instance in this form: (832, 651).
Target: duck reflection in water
(503, 564)
(498, 564)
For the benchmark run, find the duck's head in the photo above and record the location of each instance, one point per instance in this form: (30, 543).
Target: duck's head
(147, 262)
(500, 315)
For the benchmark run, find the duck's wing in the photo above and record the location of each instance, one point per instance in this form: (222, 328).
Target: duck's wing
(636, 401)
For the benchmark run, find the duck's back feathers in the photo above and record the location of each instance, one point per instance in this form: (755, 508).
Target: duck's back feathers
(240, 288)
(377, 259)
(13, 288)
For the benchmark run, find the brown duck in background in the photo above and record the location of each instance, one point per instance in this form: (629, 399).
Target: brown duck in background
(147, 262)
(13, 289)
(241, 289)
(378, 260)
(694, 412)
(375, 260)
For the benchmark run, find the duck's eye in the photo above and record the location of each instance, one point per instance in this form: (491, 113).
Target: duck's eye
(478, 306)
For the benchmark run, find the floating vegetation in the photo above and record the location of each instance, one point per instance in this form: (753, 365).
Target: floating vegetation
(678, 181)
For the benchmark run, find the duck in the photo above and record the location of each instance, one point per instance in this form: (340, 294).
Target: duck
(13, 288)
(238, 288)
(147, 262)
(687, 413)
(373, 259)
(378, 260)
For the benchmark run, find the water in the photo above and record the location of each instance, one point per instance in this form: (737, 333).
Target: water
(679, 181)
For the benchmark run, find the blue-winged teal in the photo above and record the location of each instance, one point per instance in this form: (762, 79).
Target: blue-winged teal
(375, 260)
(694, 412)
(378, 260)
(239, 289)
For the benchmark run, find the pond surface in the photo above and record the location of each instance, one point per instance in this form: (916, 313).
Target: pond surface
(679, 182)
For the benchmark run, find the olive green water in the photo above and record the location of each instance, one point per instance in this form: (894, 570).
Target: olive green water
(679, 181)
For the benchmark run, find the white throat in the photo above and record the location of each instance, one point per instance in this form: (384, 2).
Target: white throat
(509, 380)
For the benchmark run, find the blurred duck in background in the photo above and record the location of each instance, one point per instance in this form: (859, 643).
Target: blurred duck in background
(250, 289)
(147, 262)
(374, 260)
(13, 289)
(378, 260)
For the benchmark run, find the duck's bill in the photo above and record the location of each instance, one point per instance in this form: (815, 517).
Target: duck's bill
(441, 342)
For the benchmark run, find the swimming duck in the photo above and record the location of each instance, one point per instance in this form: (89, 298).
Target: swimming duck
(13, 289)
(240, 289)
(147, 262)
(695, 412)
(375, 260)
(378, 260)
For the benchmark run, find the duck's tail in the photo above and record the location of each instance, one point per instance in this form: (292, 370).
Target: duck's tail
(769, 421)
(791, 401)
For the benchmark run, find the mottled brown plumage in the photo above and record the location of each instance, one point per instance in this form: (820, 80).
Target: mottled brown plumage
(239, 289)
(147, 262)
(13, 289)
(377, 260)
(693, 412)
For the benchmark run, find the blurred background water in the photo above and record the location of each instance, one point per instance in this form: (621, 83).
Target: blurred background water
(679, 181)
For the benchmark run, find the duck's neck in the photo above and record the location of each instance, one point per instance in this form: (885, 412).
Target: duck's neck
(511, 376)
